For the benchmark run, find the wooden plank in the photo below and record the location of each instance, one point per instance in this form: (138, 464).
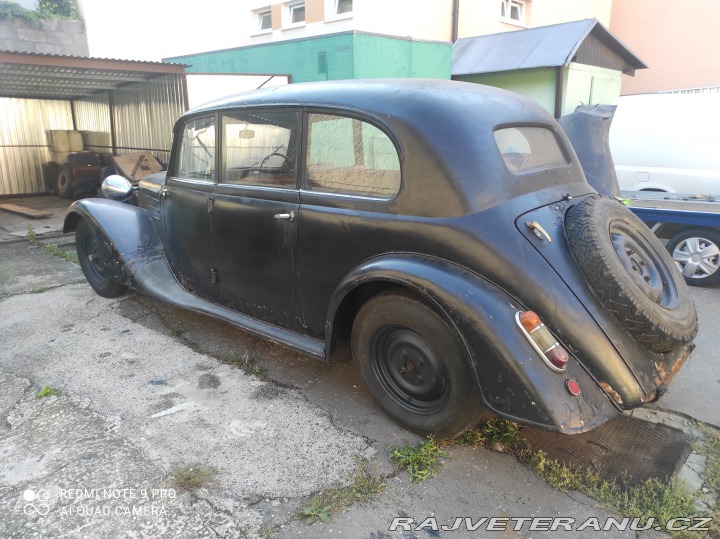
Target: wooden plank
(27, 212)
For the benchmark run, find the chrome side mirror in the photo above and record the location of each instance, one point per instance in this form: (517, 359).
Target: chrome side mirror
(117, 188)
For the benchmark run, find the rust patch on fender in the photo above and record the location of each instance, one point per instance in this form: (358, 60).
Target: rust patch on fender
(607, 388)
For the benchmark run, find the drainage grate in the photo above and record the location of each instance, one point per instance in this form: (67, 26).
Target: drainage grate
(623, 445)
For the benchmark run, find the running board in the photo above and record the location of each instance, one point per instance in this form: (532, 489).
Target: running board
(155, 278)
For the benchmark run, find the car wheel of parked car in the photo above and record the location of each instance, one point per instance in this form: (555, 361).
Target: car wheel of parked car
(697, 254)
(631, 273)
(415, 366)
(94, 261)
(63, 186)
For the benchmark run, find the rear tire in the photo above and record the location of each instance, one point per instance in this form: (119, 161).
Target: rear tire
(95, 262)
(63, 186)
(415, 366)
(696, 253)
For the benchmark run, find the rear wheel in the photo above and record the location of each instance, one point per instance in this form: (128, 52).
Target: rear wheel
(415, 366)
(95, 262)
(63, 185)
(697, 255)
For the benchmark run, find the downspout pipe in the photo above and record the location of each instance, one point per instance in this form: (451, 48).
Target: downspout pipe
(455, 21)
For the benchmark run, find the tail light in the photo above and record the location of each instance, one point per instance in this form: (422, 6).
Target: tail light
(539, 336)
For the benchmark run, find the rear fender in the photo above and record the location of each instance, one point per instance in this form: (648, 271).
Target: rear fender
(129, 234)
(514, 382)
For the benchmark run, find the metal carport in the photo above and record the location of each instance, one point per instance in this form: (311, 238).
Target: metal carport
(119, 106)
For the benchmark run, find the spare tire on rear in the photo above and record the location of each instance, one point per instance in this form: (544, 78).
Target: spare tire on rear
(631, 273)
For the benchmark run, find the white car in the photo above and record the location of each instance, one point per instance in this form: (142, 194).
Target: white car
(667, 142)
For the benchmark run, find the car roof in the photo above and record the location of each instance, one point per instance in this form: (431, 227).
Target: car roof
(396, 98)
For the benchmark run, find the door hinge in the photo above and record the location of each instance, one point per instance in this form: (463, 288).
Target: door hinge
(213, 276)
(211, 204)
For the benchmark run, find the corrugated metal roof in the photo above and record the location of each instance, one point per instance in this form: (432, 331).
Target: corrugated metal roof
(545, 46)
(49, 76)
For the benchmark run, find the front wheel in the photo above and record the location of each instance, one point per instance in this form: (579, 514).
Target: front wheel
(95, 262)
(415, 367)
(696, 253)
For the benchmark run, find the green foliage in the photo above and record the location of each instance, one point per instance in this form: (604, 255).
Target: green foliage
(31, 236)
(10, 10)
(363, 487)
(421, 461)
(191, 476)
(315, 512)
(46, 391)
(54, 250)
(47, 9)
(176, 329)
(502, 431)
(38, 290)
(65, 9)
(244, 363)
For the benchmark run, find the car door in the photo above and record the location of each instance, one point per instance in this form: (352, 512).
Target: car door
(184, 207)
(254, 215)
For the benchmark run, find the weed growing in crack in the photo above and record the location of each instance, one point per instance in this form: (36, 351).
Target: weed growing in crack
(31, 236)
(38, 290)
(46, 391)
(245, 363)
(176, 329)
(54, 250)
(315, 512)
(422, 460)
(191, 476)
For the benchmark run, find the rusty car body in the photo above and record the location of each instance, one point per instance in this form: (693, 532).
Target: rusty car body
(445, 229)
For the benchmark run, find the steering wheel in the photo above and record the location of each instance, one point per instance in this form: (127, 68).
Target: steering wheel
(287, 164)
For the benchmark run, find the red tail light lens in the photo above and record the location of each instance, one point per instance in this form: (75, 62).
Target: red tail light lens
(554, 355)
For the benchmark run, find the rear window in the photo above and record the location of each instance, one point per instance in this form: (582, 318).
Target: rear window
(529, 148)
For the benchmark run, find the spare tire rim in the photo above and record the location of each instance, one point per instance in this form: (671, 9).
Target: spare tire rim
(697, 257)
(644, 265)
(409, 369)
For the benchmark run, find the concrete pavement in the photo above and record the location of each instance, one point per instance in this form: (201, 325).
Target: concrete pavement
(140, 392)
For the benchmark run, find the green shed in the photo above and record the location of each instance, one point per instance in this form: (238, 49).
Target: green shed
(345, 55)
(560, 66)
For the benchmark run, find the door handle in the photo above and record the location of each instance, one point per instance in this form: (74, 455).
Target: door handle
(288, 216)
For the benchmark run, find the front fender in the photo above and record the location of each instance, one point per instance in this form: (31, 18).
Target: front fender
(130, 233)
(514, 382)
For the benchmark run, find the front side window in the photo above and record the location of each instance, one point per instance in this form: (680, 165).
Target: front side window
(529, 148)
(260, 148)
(197, 150)
(513, 10)
(349, 156)
(264, 20)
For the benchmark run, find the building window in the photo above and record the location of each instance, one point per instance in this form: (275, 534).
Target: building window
(343, 6)
(513, 10)
(297, 13)
(264, 20)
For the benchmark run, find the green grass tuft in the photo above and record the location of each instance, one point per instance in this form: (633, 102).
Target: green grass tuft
(191, 476)
(46, 391)
(422, 460)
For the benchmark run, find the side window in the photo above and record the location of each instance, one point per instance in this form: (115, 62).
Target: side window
(529, 148)
(197, 151)
(260, 148)
(349, 156)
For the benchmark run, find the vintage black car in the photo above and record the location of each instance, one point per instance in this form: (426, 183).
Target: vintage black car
(445, 229)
